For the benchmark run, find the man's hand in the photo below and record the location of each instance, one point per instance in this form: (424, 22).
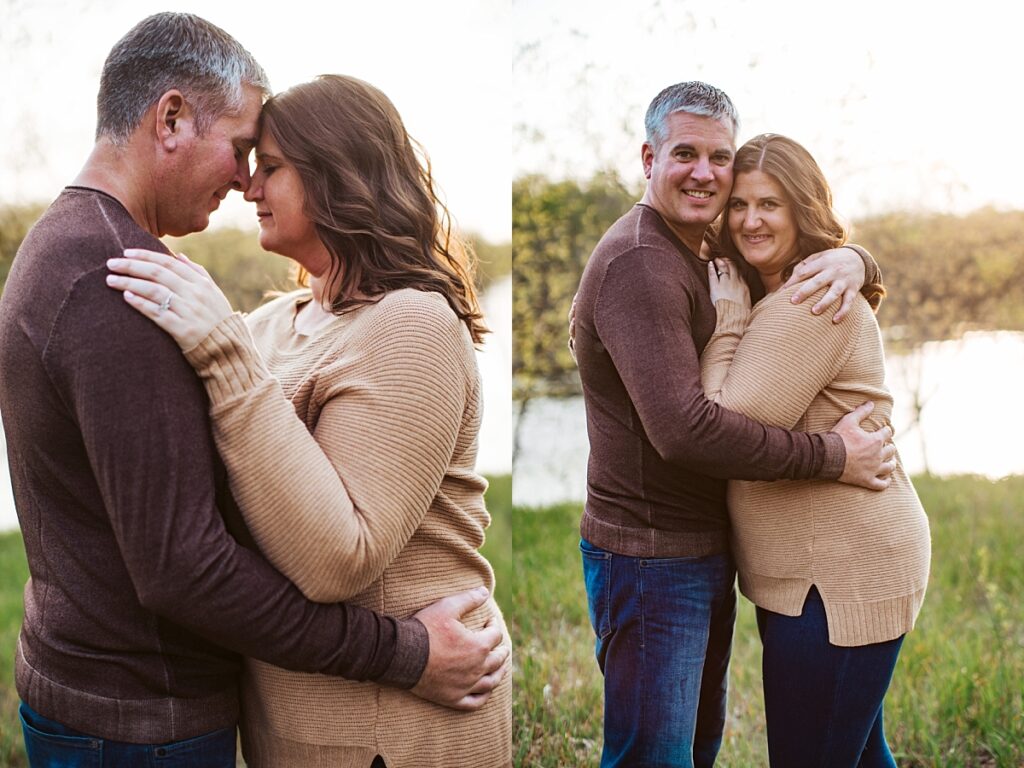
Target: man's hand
(841, 269)
(464, 666)
(870, 456)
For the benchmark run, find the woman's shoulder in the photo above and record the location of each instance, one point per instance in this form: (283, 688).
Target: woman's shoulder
(778, 305)
(410, 310)
(278, 304)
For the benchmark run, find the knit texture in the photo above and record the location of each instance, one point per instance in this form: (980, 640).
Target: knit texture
(867, 552)
(351, 454)
(659, 450)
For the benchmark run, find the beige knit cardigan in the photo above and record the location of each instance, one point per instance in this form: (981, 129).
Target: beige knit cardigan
(867, 552)
(351, 454)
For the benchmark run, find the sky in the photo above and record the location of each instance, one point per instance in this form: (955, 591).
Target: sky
(904, 105)
(444, 64)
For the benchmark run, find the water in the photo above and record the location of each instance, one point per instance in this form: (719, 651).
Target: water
(495, 361)
(970, 423)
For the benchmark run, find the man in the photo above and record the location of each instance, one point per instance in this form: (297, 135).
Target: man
(140, 601)
(656, 559)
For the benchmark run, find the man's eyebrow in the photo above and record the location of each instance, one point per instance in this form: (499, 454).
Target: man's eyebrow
(247, 143)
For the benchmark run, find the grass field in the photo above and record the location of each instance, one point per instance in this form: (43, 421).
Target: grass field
(14, 572)
(957, 700)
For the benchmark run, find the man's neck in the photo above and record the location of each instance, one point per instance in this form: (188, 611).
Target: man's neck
(113, 170)
(691, 236)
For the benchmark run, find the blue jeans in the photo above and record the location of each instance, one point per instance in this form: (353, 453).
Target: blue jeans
(823, 702)
(52, 745)
(664, 635)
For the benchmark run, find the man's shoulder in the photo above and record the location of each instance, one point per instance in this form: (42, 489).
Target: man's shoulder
(639, 234)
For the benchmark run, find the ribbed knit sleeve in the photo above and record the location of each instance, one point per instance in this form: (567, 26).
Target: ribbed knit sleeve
(331, 504)
(786, 356)
(717, 355)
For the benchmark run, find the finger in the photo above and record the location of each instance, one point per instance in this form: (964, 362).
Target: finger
(154, 272)
(154, 292)
(879, 483)
(831, 296)
(712, 271)
(861, 412)
(471, 702)
(165, 318)
(849, 297)
(462, 603)
(193, 265)
(885, 431)
(490, 637)
(173, 264)
(496, 659)
(490, 681)
(808, 287)
(889, 451)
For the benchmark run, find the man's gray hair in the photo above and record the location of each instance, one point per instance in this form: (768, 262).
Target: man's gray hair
(167, 51)
(692, 97)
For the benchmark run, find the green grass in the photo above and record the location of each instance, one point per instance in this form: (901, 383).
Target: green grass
(14, 573)
(957, 699)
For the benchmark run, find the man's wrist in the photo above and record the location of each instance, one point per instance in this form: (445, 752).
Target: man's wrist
(412, 649)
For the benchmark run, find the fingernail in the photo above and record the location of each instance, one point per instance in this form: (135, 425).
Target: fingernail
(482, 591)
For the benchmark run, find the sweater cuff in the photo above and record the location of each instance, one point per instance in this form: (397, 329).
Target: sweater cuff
(227, 360)
(835, 457)
(732, 317)
(412, 648)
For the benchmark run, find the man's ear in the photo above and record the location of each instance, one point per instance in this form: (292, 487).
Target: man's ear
(172, 112)
(647, 157)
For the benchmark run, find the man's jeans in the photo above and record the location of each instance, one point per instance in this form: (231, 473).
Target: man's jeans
(664, 635)
(52, 745)
(823, 702)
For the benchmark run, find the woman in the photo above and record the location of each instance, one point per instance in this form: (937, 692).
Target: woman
(838, 573)
(348, 419)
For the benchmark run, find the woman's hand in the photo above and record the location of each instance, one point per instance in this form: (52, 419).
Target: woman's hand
(172, 291)
(726, 282)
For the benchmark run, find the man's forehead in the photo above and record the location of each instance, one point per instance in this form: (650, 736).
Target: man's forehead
(687, 128)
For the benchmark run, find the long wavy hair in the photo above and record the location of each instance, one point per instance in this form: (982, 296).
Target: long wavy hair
(371, 196)
(808, 194)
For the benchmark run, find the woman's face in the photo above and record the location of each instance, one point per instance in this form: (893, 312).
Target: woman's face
(762, 225)
(284, 227)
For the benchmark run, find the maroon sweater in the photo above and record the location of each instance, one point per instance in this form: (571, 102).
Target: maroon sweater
(660, 451)
(140, 600)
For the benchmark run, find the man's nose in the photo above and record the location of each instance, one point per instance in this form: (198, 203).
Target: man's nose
(242, 180)
(702, 170)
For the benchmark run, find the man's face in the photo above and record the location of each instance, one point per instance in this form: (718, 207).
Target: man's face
(207, 167)
(690, 173)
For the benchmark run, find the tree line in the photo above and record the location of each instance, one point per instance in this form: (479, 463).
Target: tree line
(945, 274)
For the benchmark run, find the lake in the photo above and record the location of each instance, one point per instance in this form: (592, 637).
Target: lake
(495, 361)
(970, 424)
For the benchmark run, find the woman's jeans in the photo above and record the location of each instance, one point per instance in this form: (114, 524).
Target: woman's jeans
(50, 744)
(823, 703)
(664, 634)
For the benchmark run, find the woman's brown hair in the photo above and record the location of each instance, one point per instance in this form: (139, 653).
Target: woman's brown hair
(370, 196)
(808, 193)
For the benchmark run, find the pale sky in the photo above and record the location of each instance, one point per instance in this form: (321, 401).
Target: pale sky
(445, 65)
(907, 105)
